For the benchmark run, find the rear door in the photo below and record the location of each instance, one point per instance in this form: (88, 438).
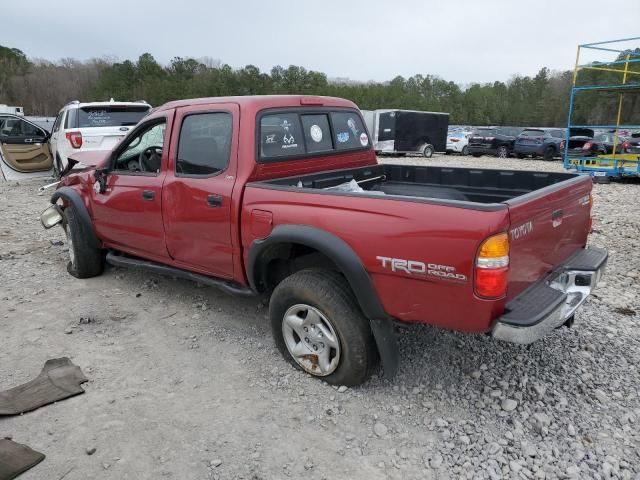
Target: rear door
(197, 191)
(23, 145)
(546, 227)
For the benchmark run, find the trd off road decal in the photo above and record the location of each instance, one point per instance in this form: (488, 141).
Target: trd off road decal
(416, 268)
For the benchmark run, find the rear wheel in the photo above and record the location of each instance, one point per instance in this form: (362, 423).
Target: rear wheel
(465, 150)
(318, 326)
(503, 152)
(85, 261)
(427, 151)
(549, 153)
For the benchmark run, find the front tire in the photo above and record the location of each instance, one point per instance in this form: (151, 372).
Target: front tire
(319, 328)
(85, 261)
(465, 151)
(427, 151)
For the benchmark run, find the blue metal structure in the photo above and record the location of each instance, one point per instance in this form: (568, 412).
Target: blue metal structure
(616, 164)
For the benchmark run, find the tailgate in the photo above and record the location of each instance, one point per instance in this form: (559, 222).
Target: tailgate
(102, 138)
(546, 227)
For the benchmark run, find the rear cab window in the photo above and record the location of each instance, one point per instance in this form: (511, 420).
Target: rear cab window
(110, 116)
(301, 134)
(532, 133)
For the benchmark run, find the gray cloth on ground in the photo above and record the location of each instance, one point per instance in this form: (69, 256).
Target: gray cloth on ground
(16, 458)
(59, 379)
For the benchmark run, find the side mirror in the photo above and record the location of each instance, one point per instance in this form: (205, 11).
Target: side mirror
(101, 180)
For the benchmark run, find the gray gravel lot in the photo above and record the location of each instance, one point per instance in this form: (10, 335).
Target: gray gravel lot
(186, 382)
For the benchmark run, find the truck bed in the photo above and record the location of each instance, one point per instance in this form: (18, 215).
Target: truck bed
(466, 187)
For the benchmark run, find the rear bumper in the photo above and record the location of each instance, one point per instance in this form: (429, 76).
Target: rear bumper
(550, 302)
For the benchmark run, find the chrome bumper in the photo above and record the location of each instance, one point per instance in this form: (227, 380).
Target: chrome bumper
(551, 302)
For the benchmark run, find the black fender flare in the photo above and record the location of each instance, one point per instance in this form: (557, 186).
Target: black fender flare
(350, 266)
(73, 197)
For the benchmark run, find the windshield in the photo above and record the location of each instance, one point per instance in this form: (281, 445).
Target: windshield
(121, 116)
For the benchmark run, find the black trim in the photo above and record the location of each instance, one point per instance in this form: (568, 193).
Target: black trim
(305, 111)
(73, 197)
(351, 267)
(195, 175)
(118, 260)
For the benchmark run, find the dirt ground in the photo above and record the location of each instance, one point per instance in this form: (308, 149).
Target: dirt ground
(186, 383)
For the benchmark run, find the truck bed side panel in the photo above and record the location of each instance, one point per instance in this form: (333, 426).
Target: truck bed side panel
(436, 235)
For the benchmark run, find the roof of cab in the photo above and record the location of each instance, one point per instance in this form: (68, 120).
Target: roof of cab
(259, 102)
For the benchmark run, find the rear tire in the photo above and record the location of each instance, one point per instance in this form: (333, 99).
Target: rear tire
(503, 152)
(85, 261)
(427, 151)
(549, 153)
(319, 328)
(465, 150)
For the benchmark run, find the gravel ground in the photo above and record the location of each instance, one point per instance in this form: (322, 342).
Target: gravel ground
(186, 383)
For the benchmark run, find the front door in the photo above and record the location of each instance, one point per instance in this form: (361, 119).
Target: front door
(128, 214)
(23, 145)
(197, 191)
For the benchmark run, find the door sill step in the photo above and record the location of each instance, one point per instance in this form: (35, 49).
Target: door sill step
(119, 260)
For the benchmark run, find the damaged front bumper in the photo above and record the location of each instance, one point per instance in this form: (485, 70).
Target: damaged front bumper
(51, 217)
(552, 301)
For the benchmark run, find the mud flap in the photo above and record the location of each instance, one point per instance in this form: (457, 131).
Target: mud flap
(387, 343)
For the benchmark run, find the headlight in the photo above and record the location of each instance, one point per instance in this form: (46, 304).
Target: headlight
(51, 216)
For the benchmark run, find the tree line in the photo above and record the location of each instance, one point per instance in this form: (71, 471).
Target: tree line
(43, 86)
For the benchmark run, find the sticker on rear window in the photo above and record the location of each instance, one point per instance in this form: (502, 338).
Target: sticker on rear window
(343, 137)
(364, 139)
(316, 133)
(351, 123)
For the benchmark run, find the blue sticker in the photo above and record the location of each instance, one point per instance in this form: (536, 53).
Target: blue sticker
(343, 137)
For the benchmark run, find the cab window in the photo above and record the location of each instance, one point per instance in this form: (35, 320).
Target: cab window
(142, 153)
(205, 144)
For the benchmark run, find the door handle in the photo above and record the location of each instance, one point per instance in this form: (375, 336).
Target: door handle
(148, 194)
(28, 140)
(214, 200)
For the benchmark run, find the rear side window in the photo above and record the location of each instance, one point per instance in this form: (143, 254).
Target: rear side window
(205, 144)
(107, 116)
(348, 131)
(557, 133)
(70, 120)
(532, 133)
(317, 133)
(281, 136)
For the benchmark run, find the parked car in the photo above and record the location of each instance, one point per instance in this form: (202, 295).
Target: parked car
(496, 141)
(632, 144)
(458, 142)
(601, 144)
(282, 196)
(539, 142)
(24, 145)
(92, 126)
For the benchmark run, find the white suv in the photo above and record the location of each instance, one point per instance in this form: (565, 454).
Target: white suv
(91, 126)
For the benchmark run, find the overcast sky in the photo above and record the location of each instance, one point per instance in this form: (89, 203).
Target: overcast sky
(464, 41)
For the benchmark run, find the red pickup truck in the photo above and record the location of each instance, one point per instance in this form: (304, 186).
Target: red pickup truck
(283, 196)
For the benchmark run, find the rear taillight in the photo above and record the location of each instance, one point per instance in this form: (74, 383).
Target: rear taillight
(75, 139)
(489, 139)
(626, 146)
(562, 144)
(492, 266)
(587, 146)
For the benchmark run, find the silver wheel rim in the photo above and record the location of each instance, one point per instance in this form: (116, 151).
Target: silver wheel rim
(311, 340)
(502, 153)
(72, 254)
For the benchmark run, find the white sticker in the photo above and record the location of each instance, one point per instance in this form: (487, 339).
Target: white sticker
(364, 139)
(316, 133)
